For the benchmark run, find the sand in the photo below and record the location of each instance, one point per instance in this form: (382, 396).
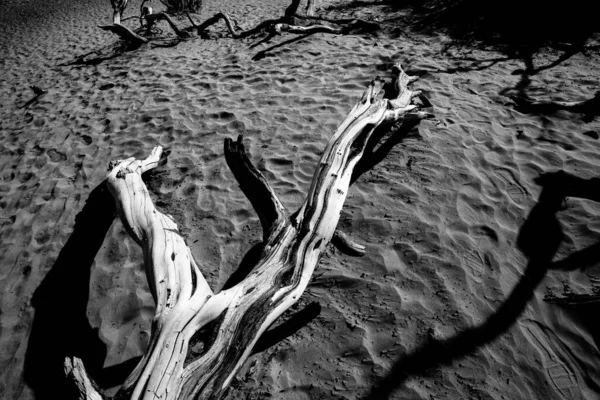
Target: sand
(450, 300)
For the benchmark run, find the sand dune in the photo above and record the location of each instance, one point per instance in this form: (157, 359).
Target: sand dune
(447, 303)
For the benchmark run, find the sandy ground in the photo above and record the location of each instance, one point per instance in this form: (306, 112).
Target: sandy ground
(462, 247)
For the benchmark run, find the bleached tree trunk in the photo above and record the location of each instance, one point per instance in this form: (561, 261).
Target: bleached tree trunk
(230, 322)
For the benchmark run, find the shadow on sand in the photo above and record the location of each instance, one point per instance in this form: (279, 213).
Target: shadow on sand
(60, 327)
(517, 29)
(538, 239)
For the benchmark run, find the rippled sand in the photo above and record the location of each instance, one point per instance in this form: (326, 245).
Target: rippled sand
(439, 216)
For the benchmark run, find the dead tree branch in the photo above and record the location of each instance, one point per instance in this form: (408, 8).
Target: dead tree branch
(287, 23)
(151, 19)
(232, 321)
(125, 33)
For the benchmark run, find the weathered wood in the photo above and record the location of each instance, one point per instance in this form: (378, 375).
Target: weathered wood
(291, 10)
(144, 10)
(341, 21)
(125, 33)
(310, 8)
(75, 371)
(153, 18)
(118, 9)
(287, 24)
(263, 198)
(307, 29)
(230, 322)
(214, 19)
(347, 245)
(233, 27)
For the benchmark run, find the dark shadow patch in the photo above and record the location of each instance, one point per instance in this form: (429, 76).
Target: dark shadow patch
(248, 263)
(60, 327)
(287, 328)
(539, 239)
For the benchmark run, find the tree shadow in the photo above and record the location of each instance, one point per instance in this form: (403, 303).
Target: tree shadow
(538, 239)
(589, 108)
(60, 327)
(518, 29)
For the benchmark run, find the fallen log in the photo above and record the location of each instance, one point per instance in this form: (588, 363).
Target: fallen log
(125, 33)
(287, 23)
(118, 9)
(230, 322)
(590, 108)
(346, 28)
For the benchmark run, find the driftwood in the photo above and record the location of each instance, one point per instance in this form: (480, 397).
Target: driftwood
(287, 23)
(352, 25)
(151, 19)
(144, 10)
(310, 8)
(125, 33)
(230, 322)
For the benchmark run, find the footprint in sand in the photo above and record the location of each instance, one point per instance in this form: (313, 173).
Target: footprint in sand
(480, 135)
(86, 139)
(107, 86)
(56, 155)
(475, 262)
(515, 191)
(556, 362)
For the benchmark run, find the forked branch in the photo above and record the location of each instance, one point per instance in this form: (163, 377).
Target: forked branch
(230, 322)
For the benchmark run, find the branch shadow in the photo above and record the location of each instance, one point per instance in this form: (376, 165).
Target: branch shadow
(60, 326)
(98, 56)
(267, 52)
(538, 239)
(375, 152)
(517, 29)
(589, 108)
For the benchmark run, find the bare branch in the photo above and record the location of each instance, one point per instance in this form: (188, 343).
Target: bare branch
(229, 323)
(125, 33)
(151, 19)
(75, 372)
(346, 245)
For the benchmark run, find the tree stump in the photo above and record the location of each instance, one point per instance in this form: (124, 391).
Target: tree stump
(230, 322)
